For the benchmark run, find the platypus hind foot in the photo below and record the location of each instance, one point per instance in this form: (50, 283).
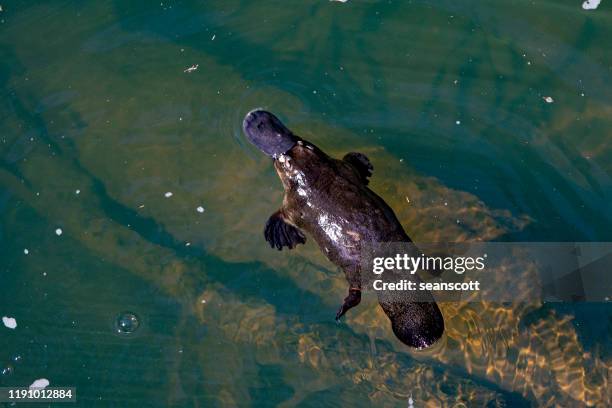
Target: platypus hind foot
(352, 300)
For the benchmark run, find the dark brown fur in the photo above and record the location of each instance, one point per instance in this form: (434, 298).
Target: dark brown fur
(329, 200)
(335, 207)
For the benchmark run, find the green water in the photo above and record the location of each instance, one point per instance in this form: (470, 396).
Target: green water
(445, 97)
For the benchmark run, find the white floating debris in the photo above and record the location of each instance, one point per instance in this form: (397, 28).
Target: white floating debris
(9, 322)
(548, 99)
(340, 1)
(200, 209)
(458, 122)
(213, 37)
(77, 192)
(168, 194)
(58, 232)
(26, 251)
(40, 384)
(191, 68)
(591, 4)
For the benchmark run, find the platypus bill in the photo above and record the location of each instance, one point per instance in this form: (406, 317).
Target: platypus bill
(329, 200)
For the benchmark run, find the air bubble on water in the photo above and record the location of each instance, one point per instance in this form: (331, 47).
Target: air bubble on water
(126, 323)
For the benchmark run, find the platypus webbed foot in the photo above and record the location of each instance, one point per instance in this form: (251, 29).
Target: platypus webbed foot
(352, 300)
(361, 163)
(280, 234)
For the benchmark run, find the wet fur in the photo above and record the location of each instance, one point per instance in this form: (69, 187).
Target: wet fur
(329, 199)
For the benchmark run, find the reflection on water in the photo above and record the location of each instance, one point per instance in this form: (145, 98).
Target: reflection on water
(99, 121)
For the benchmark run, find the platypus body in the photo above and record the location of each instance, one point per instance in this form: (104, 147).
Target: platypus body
(329, 200)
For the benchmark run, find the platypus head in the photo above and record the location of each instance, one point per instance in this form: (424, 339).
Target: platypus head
(268, 133)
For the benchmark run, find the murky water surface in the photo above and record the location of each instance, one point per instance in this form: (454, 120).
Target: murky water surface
(486, 121)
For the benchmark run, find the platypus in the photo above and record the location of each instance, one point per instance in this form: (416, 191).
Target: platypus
(329, 200)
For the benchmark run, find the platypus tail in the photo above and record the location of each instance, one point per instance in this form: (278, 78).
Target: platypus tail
(416, 324)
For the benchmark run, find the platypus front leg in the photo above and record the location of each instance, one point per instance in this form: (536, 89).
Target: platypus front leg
(279, 233)
(352, 300)
(361, 163)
